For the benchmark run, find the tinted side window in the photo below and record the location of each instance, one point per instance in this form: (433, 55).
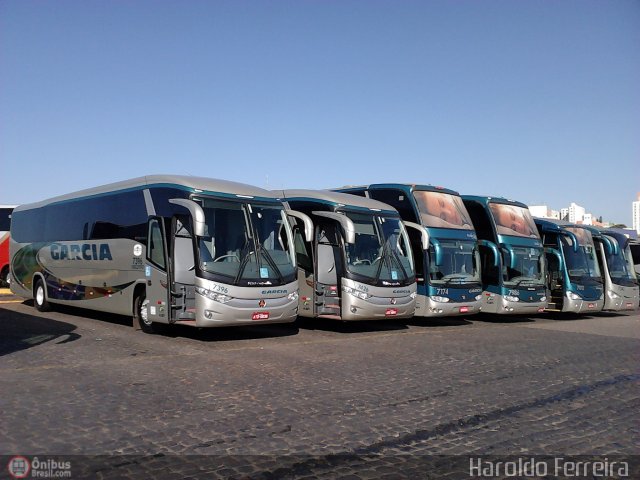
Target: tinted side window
(5, 219)
(155, 252)
(480, 220)
(28, 225)
(398, 200)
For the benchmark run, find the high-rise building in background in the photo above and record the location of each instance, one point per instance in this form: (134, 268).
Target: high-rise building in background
(636, 214)
(576, 213)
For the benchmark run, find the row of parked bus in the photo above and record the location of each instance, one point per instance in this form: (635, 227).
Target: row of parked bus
(206, 253)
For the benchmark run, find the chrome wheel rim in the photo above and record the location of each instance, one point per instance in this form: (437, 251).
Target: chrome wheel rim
(40, 294)
(144, 315)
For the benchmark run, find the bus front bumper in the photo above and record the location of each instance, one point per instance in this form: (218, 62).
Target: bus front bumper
(377, 308)
(582, 306)
(430, 308)
(210, 313)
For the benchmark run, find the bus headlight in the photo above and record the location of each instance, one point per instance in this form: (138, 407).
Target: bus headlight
(440, 299)
(511, 298)
(293, 295)
(217, 297)
(355, 293)
(573, 296)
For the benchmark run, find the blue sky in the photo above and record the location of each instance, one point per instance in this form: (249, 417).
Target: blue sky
(538, 101)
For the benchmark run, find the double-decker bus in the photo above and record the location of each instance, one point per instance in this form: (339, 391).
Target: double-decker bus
(512, 257)
(574, 279)
(448, 273)
(165, 249)
(616, 264)
(358, 265)
(5, 222)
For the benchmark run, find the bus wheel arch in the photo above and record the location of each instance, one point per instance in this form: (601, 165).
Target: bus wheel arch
(40, 297)
(140, 303)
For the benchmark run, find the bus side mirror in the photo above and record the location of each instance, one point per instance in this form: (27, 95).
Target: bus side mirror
(574, 240)
(197, 214)
(555, 253)
(424, 235)
(494, 249)
(437, 248)
(345, 222)
(306, 220)
(512, 255)
(611, 244)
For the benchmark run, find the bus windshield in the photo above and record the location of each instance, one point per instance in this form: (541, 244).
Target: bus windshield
(442, 210)
(246, 243)
(513, 220)
(381, 250)
(460, 263)
(523, 266)
(583, 264)
(621, 267)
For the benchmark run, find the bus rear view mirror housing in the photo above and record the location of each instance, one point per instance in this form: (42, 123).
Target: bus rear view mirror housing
(345, 222)
(197, 214)
(494, 249)
(306, 220)
(557, 254)
(424, 235)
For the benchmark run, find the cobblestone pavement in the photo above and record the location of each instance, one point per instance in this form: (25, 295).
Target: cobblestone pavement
(314, 399)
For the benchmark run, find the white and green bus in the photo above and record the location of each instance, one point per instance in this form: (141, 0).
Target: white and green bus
(164, 249)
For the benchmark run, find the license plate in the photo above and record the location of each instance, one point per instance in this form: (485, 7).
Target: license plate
(260, 316)
(391, 312)
(592, 305)
(464, 309)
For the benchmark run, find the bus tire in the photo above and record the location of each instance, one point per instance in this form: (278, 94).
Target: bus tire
(140, 313)
(5, 278)
(40, 296)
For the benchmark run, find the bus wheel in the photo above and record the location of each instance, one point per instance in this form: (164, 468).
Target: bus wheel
(5, 279)
(141, 314)
(40, 297)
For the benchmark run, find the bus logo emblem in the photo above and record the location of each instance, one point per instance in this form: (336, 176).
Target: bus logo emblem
(262, 303)
(393, 301)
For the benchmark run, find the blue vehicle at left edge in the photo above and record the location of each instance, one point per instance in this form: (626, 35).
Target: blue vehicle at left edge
(512, 256)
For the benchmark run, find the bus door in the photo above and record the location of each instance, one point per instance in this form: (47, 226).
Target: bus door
(183, 269)
(326, 289)
(157, 300)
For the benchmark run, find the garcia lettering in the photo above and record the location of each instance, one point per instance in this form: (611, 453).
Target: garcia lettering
(84, 251)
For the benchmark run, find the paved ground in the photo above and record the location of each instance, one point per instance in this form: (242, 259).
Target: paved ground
(314, 399)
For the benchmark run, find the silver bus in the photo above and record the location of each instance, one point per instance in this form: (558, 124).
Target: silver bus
(616, 264)
(162, 248)
(358, 265)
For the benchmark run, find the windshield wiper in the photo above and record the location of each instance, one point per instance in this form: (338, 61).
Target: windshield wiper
(272, 264)
(458, 279)
(244, 261)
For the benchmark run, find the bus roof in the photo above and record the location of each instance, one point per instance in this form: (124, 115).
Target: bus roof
(487, 200)
(337, 199)
(191, 183)
(406, 187)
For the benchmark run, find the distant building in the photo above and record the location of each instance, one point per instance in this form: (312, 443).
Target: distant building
(576, 213)
(564, 214)
(542, 211)
(636, 214)
(587, 219)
